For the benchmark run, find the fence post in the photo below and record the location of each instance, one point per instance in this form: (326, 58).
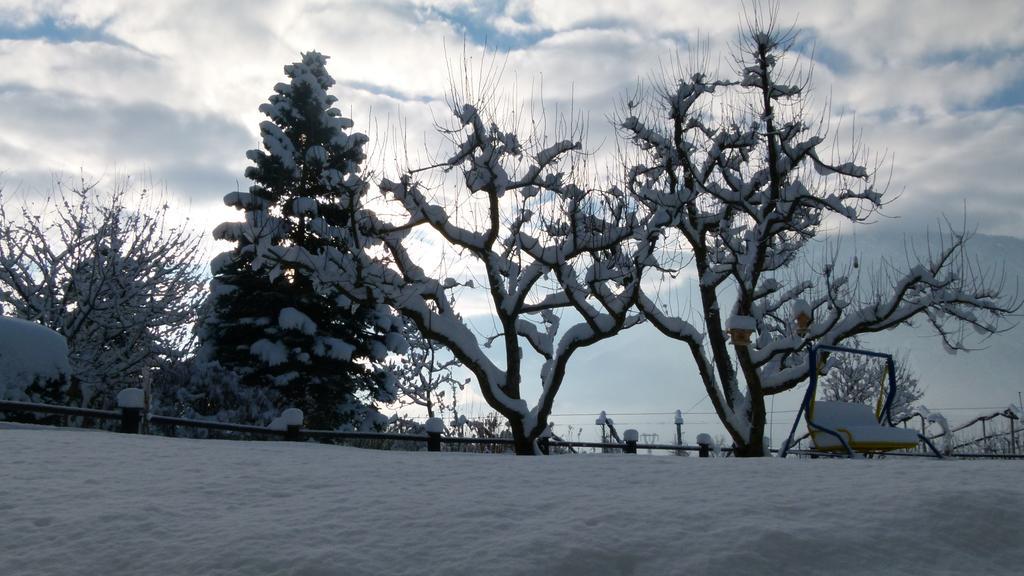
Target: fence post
(292, 418)
(924, 427)
(602, 420)
(131, 401)
(984, 437)
(679, 431)
(1013, 436)
(704, 442)
(434, 428)
(630, 436)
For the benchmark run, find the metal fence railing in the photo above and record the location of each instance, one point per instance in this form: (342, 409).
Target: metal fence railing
(133, 419)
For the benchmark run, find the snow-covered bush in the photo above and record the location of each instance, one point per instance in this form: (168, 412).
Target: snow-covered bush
(34, 366)
(210, 391)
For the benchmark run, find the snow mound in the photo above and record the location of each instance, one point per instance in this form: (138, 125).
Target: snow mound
(29, 351)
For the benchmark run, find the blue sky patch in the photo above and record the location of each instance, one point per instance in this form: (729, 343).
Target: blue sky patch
(52, 30)
(981, 56)
(1010, 95)
(811, 42)
(380, 90)
(476, 22)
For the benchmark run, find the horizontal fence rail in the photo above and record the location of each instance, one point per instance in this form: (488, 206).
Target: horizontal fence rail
(213, 425)
(8, 406)
(130, 418)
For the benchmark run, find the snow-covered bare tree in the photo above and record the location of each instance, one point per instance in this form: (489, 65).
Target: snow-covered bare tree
(739, 178)
(424, 376)
(108, 271)
(289, 338)
(512, 208)
(862, 379)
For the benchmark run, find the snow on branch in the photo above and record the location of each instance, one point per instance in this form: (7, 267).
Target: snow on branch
(734, 175)
(107, 271)
(553, 256)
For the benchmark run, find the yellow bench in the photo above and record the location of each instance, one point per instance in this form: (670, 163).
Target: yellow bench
(857, 425)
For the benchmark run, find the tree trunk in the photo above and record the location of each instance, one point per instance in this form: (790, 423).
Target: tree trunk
(753, 448)
(523, 442)
(519, 437)
(524, 446)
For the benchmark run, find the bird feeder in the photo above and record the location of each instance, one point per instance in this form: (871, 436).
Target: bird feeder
(803, 324)
(740, 328)
(803, 316)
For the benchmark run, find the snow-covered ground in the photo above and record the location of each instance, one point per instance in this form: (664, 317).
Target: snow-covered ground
(82, 502)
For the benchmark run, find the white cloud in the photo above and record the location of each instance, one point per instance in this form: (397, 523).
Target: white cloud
(176, 88)
(971, 158)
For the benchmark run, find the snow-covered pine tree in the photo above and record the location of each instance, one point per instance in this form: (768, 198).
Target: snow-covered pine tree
(291, 340)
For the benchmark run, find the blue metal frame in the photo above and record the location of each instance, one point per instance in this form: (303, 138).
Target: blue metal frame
(805, 406)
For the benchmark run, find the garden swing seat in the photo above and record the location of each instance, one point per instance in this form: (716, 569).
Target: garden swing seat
(858, 427)
(849, 427)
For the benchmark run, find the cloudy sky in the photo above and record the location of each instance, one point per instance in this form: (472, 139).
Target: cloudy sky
(169, 91)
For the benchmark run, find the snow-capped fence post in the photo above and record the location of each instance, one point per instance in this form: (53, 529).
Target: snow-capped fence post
(290, 422)
(704, 442)
(679, 431)
(131, 401)
(630, 436)
(293, 419)
(434, 428)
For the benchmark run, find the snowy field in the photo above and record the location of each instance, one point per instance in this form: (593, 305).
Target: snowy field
(83, 502)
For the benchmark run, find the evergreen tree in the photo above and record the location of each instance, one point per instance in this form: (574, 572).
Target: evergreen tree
(290, 340)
